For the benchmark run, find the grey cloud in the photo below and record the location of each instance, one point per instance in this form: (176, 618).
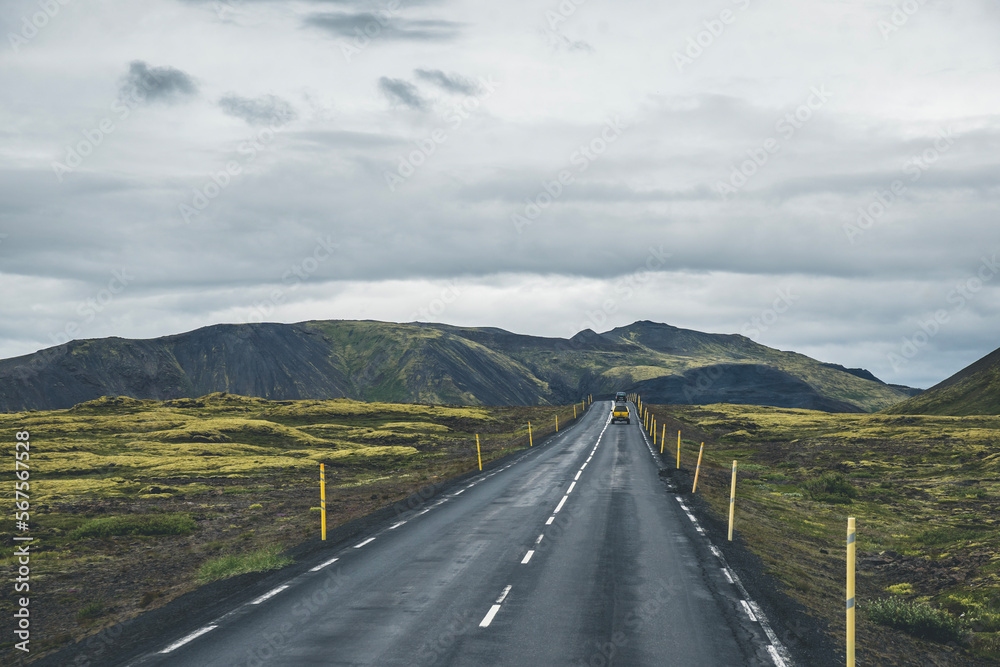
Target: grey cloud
(156, 84)
(452, 83)
(401, 92)
(325, 140)
(376, 26)
(264, 110)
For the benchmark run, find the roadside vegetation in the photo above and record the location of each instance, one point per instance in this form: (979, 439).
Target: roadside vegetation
(136, 502)
(926, 494)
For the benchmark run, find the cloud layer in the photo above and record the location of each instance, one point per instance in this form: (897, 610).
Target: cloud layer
(241, 161)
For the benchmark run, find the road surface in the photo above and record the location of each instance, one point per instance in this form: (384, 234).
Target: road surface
(572, 553)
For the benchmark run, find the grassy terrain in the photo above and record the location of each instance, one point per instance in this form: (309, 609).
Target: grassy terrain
(135, 502)
(925, 491)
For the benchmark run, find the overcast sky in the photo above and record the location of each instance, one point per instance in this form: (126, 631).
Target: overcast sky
(820, 176)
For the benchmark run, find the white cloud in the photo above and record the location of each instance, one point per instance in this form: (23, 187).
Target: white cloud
(655, 185)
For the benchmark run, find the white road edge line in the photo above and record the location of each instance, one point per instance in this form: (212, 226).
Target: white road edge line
(503, 596)
(270, 594)
(776, 649)
(550, 520)
(580, 472)
(369, 540)
(748, 610)
(539, 539)
(322, 565)
(570, 490)
(191, 637)
(527, 557)
(561, 503)
(396, 525)
(725, 571)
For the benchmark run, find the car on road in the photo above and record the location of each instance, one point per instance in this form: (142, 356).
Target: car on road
(620, 414)
(621, 397)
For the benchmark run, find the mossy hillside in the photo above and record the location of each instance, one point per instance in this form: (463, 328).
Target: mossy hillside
(926, 496)
(974, 390)
(428, 363)
(393, 362)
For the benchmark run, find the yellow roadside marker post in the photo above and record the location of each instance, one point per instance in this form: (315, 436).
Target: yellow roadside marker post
(574, 411)
(663, 438)
(698, 468)
(851, 545)
(654, 432)
(557, 423)
(678, 450)
(478, 454)
(531, 442)
(322, 499)
(732, 502)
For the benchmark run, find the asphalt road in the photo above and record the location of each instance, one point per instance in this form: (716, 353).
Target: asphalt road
(574, 553)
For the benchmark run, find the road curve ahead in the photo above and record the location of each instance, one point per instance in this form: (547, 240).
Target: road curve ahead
(573, 553)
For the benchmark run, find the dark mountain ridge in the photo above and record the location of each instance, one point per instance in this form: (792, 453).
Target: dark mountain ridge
(435, 363)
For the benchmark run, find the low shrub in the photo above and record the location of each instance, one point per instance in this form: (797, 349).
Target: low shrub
(269, 558)
(91, 610)
(831, 487)
(136, 524)
(945, 534)
(917, 619)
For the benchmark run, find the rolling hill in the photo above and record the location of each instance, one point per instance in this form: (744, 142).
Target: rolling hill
(974, 390)
(437, 363)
